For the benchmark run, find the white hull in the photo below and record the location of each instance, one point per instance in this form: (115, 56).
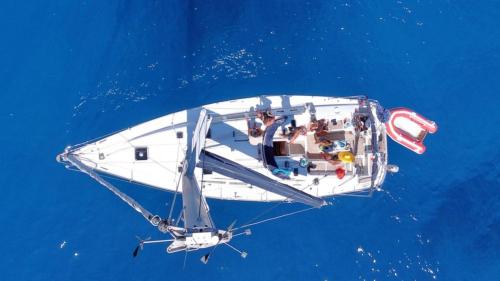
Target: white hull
(165, 140)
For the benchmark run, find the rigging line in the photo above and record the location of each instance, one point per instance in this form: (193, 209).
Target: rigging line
(76, 146)
(275, 218)
(265, 212)
(127, 199)
(86, 159)
(97, 140)
(120, 149)
(161, 165)
(185, 258)
(119, 164)
(202, 168)
(126, 143)
(278, 204)
(108, 176)
(126, 140)
(179, 217)
(178, 183)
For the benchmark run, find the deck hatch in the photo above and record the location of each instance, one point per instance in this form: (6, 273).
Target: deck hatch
(141, 153)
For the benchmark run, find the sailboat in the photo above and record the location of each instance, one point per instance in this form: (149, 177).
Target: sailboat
(287, 148)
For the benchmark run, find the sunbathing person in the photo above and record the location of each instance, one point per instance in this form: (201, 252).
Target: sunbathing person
(298, 131)
(332, 159)
(320, 129)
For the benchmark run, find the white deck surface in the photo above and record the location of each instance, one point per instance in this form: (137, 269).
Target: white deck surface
(114, 155)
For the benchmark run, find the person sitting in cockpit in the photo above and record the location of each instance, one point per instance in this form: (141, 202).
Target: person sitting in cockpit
(325, 145)
(254, 131)
(318, 125)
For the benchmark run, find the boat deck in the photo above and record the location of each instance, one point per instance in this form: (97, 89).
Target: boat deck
(165, 140)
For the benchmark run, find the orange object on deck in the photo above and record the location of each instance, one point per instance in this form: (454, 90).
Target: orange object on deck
(340, 173)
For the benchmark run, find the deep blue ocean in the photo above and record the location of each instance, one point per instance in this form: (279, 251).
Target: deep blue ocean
(75, 70)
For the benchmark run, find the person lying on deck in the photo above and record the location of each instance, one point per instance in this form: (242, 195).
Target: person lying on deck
(332, 159)
(320, 129)
(298, 131)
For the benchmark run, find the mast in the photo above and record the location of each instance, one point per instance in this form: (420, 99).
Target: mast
(196, 211)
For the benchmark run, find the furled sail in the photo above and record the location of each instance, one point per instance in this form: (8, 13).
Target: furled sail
(196, 210)
(228, 168)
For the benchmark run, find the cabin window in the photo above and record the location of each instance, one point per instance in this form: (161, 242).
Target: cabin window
(141, 153)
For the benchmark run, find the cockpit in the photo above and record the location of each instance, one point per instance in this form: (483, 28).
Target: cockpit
(328, 142)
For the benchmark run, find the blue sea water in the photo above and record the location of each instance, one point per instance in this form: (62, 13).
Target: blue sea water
(74, 70)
